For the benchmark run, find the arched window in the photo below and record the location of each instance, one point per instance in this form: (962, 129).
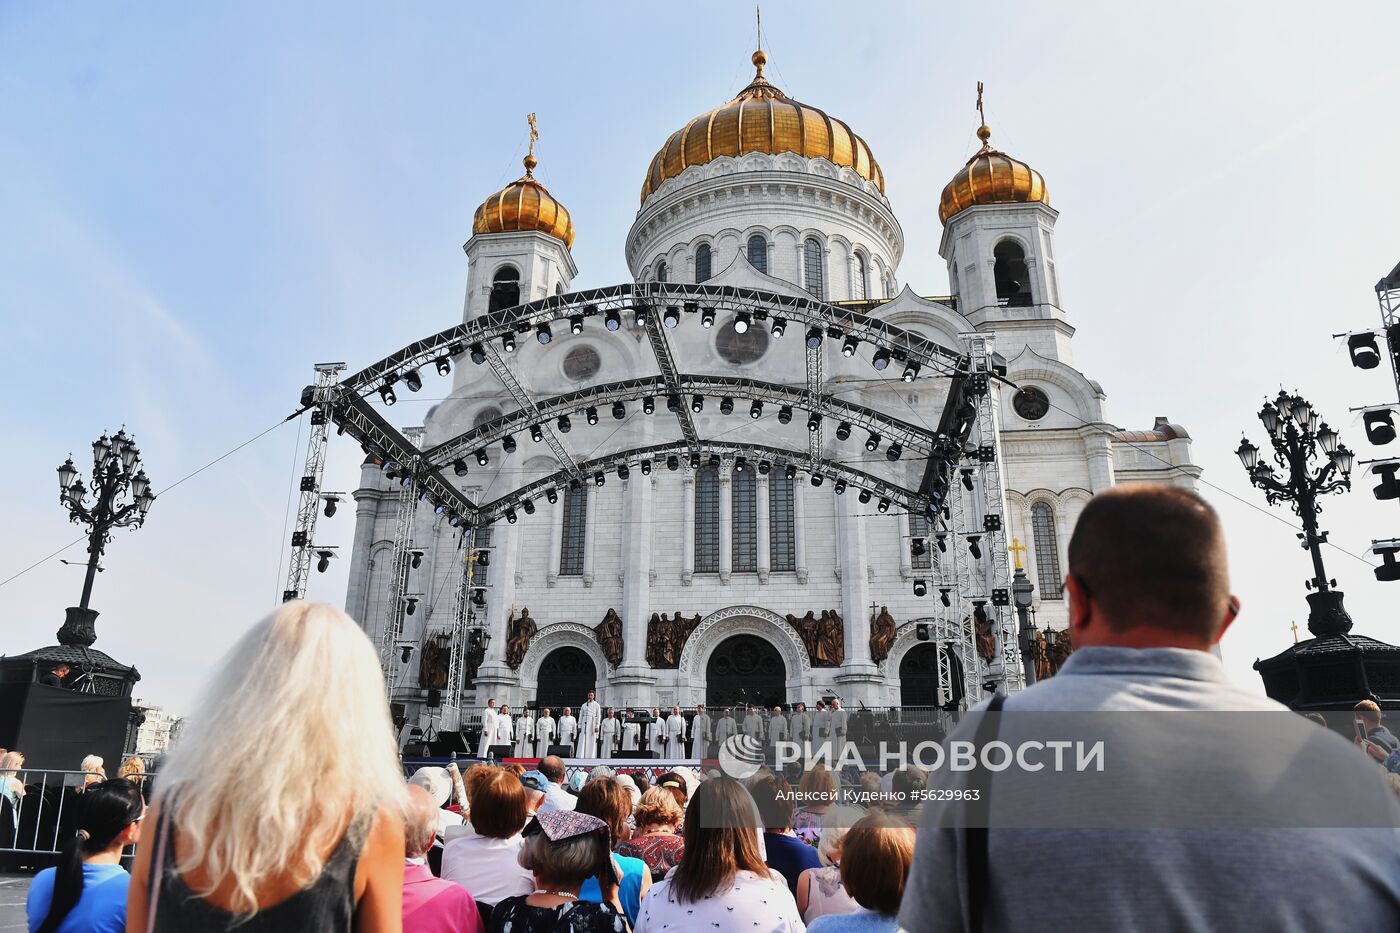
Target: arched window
(758, 253)
(1011, 275)
(782, 539)
(702, 262)
(812, 267)
(1047, 551)
(661, 271)
(707, 520)
(558, 288)
(575, 524)
(862, 282)
(505, 289)
(743, 509)
(919, 528)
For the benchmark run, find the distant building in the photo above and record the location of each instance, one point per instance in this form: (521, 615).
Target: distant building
(157, 731)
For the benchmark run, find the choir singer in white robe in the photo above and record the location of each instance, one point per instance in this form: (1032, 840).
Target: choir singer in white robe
(607, 735)
(544, 732)
(590, 716)
(568, 728)
(525, 735)
(656, 733)
(675, 734)
(503, 731)
(488, 729)
(700, 732)
(631, 733)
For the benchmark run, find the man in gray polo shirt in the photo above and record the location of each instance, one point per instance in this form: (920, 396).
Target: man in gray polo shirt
(1223, 821)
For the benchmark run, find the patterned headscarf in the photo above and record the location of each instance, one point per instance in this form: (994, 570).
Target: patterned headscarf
(562, 825)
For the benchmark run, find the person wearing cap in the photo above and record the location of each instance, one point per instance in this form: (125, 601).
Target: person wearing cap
(753, 724)
(431, 904)
(536, 787)
(438, 784)
(562, 850)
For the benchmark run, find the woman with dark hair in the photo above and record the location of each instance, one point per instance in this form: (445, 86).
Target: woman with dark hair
(86, 892)
(722, 880)
(563, 848)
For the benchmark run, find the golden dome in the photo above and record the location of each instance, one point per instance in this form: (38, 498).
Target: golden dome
(524, 204)
(991, 177)
(762, 119)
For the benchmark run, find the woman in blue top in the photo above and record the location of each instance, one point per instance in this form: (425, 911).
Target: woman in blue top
(86, 892)
(606, 799)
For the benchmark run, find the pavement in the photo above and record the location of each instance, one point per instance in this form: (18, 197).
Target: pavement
(13, 889)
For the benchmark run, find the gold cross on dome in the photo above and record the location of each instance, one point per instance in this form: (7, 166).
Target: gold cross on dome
(980, 115)
(534, 132)
(1294, 626)
(1017, 548)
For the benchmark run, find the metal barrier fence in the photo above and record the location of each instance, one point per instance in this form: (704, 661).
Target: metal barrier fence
(42, 820)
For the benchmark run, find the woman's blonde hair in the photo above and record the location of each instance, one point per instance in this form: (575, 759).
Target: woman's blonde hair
(291, 739)
(836, 822)
(11, 762)
(658, 807)
(819, 781)
(133, 769)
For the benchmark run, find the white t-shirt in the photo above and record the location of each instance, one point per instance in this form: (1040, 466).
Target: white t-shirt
(488, 868)
(751, 903)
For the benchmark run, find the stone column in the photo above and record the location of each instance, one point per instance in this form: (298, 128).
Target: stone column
(496, 678)
(799, 529)
(726, 521)
(859, 677)
(1099, 451)
(688, 529)
(366, 515)
(556, 539)
(906, 563)
(589, 527)
(632, 682)
(764, 554)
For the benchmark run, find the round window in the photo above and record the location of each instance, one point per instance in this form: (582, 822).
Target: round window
(490, 413)
(1031, 403)
(582, 363)
(744, 348)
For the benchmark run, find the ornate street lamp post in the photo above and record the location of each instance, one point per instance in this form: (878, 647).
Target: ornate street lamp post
(1300, 440)
(120, 498)
(1022, 595)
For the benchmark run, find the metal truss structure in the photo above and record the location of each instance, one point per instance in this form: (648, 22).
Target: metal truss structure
(406, 509)
(462, 618)
(317, 398)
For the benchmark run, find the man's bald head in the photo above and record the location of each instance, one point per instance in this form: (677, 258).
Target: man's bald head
(420, 822)
(1152, 555)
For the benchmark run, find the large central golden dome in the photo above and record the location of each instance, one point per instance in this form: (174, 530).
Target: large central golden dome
(762, 119)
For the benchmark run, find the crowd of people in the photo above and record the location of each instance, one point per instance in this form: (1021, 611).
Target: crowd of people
(318, 829)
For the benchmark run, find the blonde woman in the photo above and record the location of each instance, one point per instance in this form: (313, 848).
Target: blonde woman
(11, 788)
(316, 842)
(92, 770)
(133, 769)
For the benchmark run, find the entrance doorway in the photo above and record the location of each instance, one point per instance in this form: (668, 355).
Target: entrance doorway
(745, 669)
(918, 676)
(566, 676)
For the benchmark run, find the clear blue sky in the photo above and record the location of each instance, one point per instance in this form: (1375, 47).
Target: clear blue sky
(201, 201)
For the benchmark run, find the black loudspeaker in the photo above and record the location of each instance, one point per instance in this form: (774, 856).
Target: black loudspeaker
(434, 698)
(501, 751)
(562, 751)
(398, 713)
(634, 755)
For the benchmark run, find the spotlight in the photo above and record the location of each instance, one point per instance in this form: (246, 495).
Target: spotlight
(623, 471)
(323, 562)
(508, 343)
(911, 371)
(741, 322)
(920, 587)
(872, 443)
(756, 410)
(405, 652)
(943, 596)
(508, 444)
(814, 422)
(840, 487)
(443, 365)
(415, 558)
(695, 461)
(478, 353)
(883, 506)
(1365, 354)
(391, 469)
(941, 539)
(785, 415)
(510, 516)
(528, 506)
(639, 314)
(726, 406)
(551, 495)
(707, 317)
(599, 479)
(564, 424)
(974, 546)
(814, 338)
(672, 316)
(764, 467)
(646, 467)
(413, 380)
(714, 460)
(848, 349)
(816, 479)
(790, 471)
(673, 403)
(536, 433)
(576, 324)
(917, 548)
(893, 452)
(483, 555)
(482, 458)
(410, 606)
(864, 496)
(881, 359)
(1380, 426)
(619, 411)
(330, 505)
(454, 519)
(673, 463)
(591, 415)
(612, 320)
(542, 333)
(966, 474)
(648, 405)
(779, 326)
(386, 392)
(697, 404)
(739, 464)
(478, 596)
(843, 431)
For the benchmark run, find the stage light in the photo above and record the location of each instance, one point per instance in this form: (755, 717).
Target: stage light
(911, 371)
(454, 519)
(413, 380)
(920, 587)
(872, 443)
(697, 404)
(391, 469)
(816, 479)
(941, 539)
(848, 349)
(508, 343)
(779, 326)
(528, 506)
(646, 467)
(814, 422)
(673, 463)
(814, 338)
(917, 548)
(840, 487)
(1365, 353)
(883, 506)
(543, 334)
(330, 505)
(672, 317)
(893, 452)
(410, 605)
(1389, 570)
(864, 496)
(756, 410)
(576, 324)
(881, 359)
(482, 458)
(619, 411)
(536, 433)
(551, 495)
(764, 467)
(966, 474)
(406, 481)
(510, 516)
(323, 562)
(785, 414)
(695, 461)
(443, 364)
(741, 322)
(943, 596)
(648, 405)
(726, 406)
(707, 317)
(1380, 426)
(790, 471)
(591, 415)
(386, 392)
(843, 431)
(739, 464)
(483, 555)
(415, 558)
(478, 353)
(405, 652)
(714, 460)
(564, 424)
(639, 314)
(478, 596)
(623, 471)
(974, 546)
(612, 320)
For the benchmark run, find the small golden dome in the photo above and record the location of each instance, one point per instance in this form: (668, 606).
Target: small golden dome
(762, 119)
(524, 204)
(991, 177)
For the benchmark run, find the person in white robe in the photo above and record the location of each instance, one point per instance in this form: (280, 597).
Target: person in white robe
(725, 727)
(568, 728)
(777, 727)
(821, 724)
(607, 735)
(840, 721)
(800, 724)
(753, 724)
(488, 729)
(590, 716)
(675, 734)
(700, 732)
(525, 735)
(656, 733)
(631, 733)
(544, 732)
(503, 731)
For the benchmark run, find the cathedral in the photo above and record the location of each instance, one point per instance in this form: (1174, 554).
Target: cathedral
(720, 582)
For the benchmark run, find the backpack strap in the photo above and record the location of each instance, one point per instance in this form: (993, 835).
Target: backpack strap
(157, 868)
(975, 836)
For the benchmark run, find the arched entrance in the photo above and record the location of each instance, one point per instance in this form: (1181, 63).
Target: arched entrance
(745, 669)
(919, 675)
(566, 676)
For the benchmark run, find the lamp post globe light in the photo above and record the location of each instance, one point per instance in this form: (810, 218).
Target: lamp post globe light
(1022, 597)
(120, 497)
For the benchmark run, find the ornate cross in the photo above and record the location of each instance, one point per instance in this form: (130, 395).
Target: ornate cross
(1294, 626)
(535, 132)
(1017, 548)
(982, 116)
